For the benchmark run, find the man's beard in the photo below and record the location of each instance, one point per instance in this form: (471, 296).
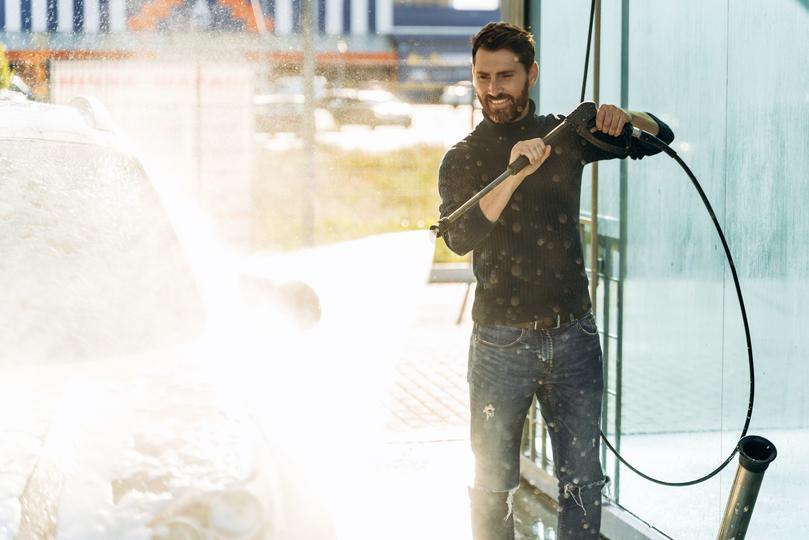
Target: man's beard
(511, 112)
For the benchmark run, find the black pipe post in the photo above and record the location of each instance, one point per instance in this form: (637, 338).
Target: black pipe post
(755, 455)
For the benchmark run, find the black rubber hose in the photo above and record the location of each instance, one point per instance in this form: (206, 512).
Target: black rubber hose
(657, 143)
(587, 53)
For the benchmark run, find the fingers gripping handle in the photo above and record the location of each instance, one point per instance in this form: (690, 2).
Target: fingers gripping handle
(518, 164)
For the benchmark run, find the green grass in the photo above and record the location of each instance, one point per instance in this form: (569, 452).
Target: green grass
(356, 194)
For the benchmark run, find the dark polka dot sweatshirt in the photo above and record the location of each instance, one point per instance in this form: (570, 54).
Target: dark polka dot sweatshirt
(529, 264)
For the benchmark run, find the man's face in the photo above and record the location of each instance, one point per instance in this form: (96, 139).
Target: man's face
(501, 84)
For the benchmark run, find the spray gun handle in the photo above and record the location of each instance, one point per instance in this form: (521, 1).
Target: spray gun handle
(581, 116)
(518, 164)
(584, 114)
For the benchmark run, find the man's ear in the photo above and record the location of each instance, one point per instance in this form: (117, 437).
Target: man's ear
(533, 74)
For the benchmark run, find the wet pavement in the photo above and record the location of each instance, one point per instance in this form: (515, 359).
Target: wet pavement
(426, 454)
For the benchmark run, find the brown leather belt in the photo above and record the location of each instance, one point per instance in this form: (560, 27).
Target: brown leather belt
(548, 323)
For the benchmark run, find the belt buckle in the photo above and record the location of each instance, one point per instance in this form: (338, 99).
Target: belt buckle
(535, 326)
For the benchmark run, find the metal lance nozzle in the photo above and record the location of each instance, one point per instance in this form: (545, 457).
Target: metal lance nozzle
(755, 455)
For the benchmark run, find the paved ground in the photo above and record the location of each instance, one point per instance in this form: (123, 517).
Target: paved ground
(427, 446)
(430, 390)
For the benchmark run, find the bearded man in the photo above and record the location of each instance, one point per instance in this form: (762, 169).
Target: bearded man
(534, 332)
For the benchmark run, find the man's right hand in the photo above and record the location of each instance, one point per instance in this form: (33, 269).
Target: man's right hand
(493, 203)
(535, 150)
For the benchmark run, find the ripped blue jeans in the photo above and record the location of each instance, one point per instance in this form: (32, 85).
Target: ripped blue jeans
(563, 368)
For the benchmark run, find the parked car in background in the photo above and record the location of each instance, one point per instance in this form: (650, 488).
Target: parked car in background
(367, 107)
(128, 371)
(283, 106)
(296, 84)
(460, 93)
(279, 112)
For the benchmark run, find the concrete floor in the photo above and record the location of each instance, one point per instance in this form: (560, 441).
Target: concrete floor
(426, 457)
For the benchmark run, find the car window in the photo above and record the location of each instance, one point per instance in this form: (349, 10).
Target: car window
(90, 264)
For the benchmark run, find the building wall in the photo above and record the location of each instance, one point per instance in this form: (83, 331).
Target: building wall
(332, 17)
(426, 44)
(66, 16)
(354, 17)
(731, 79)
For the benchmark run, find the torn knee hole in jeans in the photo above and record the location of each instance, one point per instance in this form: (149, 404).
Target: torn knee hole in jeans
(573, 491)
(510, 501)
(509, 498)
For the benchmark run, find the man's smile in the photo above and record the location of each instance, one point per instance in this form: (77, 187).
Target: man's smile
(499, 102)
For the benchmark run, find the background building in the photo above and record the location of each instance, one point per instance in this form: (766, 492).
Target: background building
(423, 44)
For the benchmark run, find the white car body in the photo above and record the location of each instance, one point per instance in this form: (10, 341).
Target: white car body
(129, 382)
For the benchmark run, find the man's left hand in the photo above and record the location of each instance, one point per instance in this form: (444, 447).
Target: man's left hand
(611, 120)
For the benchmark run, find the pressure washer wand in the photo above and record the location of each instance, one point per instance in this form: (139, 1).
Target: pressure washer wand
(582, 116)
(513, 168)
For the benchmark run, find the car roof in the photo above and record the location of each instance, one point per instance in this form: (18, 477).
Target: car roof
(85, 121)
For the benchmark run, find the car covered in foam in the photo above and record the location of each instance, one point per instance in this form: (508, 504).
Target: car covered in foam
(133, 388)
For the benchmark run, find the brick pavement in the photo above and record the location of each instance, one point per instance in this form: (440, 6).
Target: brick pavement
(429, 387)
(427, 457)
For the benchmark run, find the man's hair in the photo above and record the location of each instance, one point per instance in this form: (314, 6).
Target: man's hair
(499, 35)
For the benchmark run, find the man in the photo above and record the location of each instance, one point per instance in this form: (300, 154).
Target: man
(533, 332)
